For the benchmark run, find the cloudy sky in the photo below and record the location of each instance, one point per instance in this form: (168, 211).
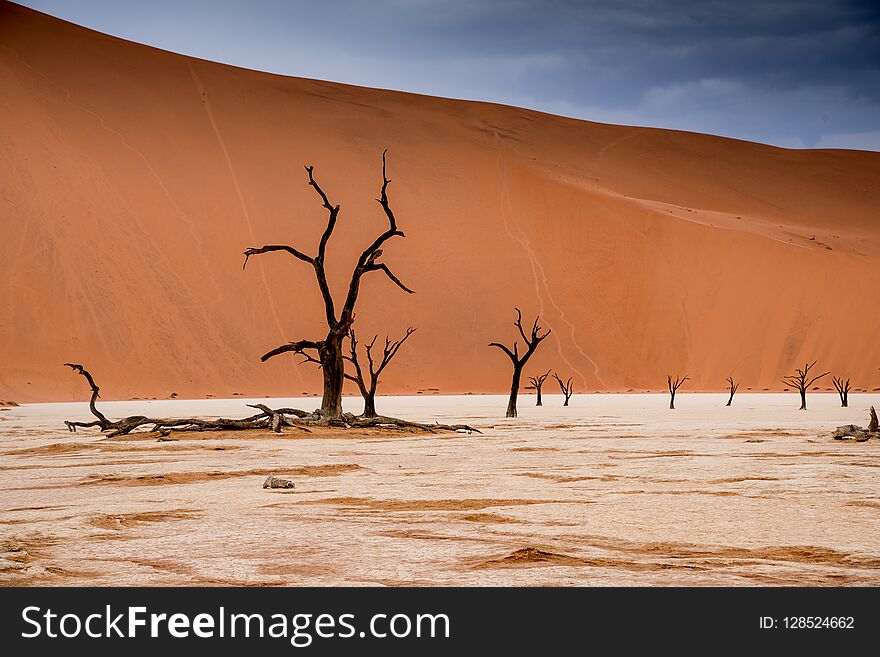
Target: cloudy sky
(794, 73)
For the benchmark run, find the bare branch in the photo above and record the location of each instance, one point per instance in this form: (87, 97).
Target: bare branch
(276, 247)
(505, 350)
(103, 422)
(333, 211)
(295, 347)
(381, 266)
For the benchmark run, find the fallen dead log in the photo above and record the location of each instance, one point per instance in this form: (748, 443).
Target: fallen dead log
(267, 418)
(857, 433)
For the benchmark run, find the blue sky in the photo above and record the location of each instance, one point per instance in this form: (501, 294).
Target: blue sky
(794, 73)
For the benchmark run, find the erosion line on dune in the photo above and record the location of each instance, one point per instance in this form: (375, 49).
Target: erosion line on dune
(244, 211)
(540, 275)
(205, 319)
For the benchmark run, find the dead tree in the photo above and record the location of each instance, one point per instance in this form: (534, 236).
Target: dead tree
(374, 369)
(842, 388)
(329, 351)
(801, 381)
(532, 340)
(566, 387)
(267, 418)
(733, 388)
(536, 383)
(674, 385)
(102, 420)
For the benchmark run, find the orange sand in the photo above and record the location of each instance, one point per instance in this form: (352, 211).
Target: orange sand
(132, 179)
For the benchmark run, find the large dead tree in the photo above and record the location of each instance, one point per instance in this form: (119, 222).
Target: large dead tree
(536, 383)
(369, 381)
(532, 340)
(801, 381)
(842, 388)
(566, 387)
(267, 418)
(674, 385)
(733, 388)
(329, 351)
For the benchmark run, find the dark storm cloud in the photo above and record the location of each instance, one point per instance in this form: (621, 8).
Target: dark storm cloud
(797, 73)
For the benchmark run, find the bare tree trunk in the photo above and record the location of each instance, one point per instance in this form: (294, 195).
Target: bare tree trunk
(539, 402)
(803, 399)
(514, 391)
(672, 401)
(333, 366)
(369, 405)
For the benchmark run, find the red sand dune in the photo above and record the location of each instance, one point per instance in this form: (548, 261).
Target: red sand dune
(132, 179)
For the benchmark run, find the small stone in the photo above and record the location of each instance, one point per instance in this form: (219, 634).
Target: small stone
(276, 482)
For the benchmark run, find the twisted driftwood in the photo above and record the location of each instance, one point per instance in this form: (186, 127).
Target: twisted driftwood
(853, 432)
(267, 418)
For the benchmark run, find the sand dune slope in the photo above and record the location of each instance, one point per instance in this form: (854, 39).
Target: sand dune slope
(132, 179)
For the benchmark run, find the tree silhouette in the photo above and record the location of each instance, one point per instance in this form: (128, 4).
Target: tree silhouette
(536, 383)
(801, 381)
(566, 388)
(532, 340)
(328, 351)
(733, 388)
(673, 388)
(368, 386)
(842, 388)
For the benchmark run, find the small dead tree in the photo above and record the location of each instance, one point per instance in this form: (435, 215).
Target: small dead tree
(566, 387)
(801, 381)
(532, 340)
(674, 385)
(536, 383)
(733, 388)
(374, 369)
(329, 351)
(842, 388)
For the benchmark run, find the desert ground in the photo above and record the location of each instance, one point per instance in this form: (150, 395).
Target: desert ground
(614, 490)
